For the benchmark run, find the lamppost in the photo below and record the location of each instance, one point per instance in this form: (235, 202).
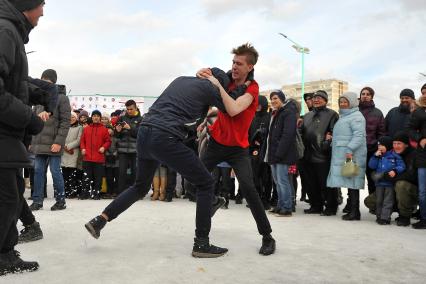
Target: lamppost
(303, 51)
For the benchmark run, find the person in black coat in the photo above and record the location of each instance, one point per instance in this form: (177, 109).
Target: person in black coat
(17, 18)
(316, 131)
(258, 134)
(418, 134)
(281, 151)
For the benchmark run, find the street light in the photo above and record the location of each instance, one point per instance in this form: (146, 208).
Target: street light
(303, 51)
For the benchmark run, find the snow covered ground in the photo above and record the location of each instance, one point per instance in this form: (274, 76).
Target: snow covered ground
(152, 243)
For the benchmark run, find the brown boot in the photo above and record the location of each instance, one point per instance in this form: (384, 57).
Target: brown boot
(163, 184)
(155, 194)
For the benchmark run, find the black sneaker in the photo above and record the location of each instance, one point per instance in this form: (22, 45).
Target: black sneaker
(95, 226)
(59, 205)
(274, 210)
(419, 225)
(284, 213)
(36, 206)
(30, 233)
(203, 249)
(11, 262)
(268, 245)
(219, 203)
(383, 222)
(402, 221)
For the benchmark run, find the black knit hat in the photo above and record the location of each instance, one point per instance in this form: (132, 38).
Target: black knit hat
(308, 96)
(280, 95)
(423, 87)
(221, 76)
(321, 93)
(26, 5)
(401, 136)
(50, 74)
(96, 112)
(386, 141)
(407, 93)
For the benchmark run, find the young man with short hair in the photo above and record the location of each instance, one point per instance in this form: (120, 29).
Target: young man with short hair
(229, 137)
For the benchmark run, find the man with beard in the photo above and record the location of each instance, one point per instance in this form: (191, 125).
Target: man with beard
(375, 128)
(398, 118)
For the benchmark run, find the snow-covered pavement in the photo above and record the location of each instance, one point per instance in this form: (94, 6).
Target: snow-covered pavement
(152, 243)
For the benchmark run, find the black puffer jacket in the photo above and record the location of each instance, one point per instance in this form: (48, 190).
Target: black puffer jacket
(282, 136)
(410, 173)
(397, 119)
(126, 139)
(374, 124)
(15, 114)
(258, 131)
(418, 131)
(315, 126)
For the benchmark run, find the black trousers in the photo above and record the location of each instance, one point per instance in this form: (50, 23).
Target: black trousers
(126, 161)
(262, 178)
(171, 181)
(11, 197)
(318, 192)
(370, 182)
(112, 176)
(155, 147)
(92, 181)
(303, 177)
(72, 181)
(238, 158)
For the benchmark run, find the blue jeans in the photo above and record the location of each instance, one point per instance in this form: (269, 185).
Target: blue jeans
(422, 192)
(284, 190)
(39, 176)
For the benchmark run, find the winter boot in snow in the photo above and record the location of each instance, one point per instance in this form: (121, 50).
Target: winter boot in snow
(10, 262)
(59, 205)
(268, 245)
(203, 249)
(354, 214)
(36, 206)
(30, 233)
(95, 226)
(402, 221)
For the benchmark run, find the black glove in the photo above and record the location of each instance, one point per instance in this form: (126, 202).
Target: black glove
(35, 126)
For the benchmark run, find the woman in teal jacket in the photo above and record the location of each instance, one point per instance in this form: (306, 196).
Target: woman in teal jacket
(349, 142)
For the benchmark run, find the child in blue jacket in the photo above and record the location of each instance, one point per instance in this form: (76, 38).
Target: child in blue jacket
(386, 163)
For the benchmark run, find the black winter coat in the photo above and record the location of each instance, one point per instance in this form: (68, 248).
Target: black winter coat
(374, 124)
(282, 136)
(410, 173)
(396, 120)
(126, 142)
(258, 133)
(418, 131)
(15, 113)
(315, 126)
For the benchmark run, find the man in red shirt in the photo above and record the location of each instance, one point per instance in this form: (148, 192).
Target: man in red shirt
(229, 138)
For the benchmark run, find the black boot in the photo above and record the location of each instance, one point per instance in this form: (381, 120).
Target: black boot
(347, 208)
(268, 245)
(59, 205)
(354, 214)
(402, 221)
(95, 226)
(10, 262)
(203, 249)
(30, 233)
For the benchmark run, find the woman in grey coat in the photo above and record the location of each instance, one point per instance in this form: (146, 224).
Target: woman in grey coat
(349, 142)
(72, 182)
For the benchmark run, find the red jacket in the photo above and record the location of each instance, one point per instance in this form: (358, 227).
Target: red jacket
(93, 138)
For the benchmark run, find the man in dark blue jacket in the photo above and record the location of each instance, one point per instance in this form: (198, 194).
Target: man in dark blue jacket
(183, 104)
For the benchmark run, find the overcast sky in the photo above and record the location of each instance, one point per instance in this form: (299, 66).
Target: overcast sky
(136, 47)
